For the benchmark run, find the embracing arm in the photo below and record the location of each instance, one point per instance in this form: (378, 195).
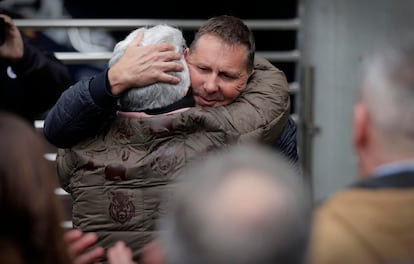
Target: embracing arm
(262, 110)
(84, 107)
(79, 112)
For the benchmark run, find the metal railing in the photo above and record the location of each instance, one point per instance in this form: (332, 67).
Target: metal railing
(121, 24)
(129, 24)
(103, 57)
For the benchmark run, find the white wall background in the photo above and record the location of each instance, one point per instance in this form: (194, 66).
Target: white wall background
(335, 35)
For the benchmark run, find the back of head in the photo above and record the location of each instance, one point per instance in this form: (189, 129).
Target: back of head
(159, 94)
(388, 93)
(231, 30)
(244, 205)
(30, 225)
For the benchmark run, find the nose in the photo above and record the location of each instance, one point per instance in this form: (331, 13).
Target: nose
(211, 84)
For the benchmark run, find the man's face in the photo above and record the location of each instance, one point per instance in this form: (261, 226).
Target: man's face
(218, 71)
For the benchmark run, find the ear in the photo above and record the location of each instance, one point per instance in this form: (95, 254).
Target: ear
(186, 54)
(360, 126)
(152, 253)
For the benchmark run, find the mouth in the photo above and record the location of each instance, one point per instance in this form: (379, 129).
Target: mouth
(205, 102)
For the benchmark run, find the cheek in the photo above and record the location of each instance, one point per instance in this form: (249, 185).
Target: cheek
(195, 77)
(230, 92)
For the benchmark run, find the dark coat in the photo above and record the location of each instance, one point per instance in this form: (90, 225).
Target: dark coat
(32, 85)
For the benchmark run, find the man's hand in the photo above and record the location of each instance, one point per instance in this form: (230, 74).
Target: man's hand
(12, 48)
(144, 65)
(120, 254)
(78, 247)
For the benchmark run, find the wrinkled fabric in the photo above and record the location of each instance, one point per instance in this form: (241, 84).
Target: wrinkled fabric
(118, 177)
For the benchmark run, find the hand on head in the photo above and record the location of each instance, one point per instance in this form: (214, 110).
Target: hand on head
(144, 65)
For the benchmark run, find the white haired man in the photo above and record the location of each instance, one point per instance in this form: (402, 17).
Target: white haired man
(157, 95)
(372, 222)
(116, 176)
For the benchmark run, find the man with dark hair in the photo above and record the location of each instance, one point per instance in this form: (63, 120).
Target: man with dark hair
(223, 70)
(116, 166)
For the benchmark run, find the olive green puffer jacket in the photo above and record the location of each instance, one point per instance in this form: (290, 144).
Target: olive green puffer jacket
(116, 178)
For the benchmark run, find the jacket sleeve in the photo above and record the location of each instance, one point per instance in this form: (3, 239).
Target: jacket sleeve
(286, 143)
(262, 109)
(79, 112)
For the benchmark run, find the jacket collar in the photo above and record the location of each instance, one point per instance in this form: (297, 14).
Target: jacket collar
(403, 179)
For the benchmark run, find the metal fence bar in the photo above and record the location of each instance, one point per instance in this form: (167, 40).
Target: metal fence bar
(103, 57)
(120, 24)
(280, 56)
(83, 57)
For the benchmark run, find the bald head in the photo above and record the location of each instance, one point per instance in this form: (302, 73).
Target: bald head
(244, 205)
(245, 197)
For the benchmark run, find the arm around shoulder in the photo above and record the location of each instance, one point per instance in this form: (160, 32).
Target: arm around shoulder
(262, 110)
(80, 112)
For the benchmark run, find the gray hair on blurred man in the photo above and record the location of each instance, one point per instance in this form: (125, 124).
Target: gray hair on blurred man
(387, 99)
(157, 95)
(371, 222)
(243, 205)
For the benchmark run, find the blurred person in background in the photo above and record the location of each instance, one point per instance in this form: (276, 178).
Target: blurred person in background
(372, 222)
(31, 80)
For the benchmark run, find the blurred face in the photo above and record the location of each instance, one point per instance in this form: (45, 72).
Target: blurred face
(218, 71)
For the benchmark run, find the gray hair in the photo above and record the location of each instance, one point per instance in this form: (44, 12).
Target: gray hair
(388, 88)
(243, 205)
(159, 94)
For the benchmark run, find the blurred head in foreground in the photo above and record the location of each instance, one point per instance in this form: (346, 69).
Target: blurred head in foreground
(243, 205)
(30, 226)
